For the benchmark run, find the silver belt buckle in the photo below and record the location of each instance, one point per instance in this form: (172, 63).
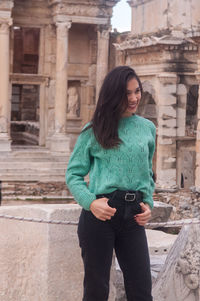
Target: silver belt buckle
(128, 194)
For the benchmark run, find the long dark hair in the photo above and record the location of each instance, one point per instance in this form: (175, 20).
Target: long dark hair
(112, 102)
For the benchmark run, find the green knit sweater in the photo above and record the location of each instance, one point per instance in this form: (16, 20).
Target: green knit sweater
(127, 167)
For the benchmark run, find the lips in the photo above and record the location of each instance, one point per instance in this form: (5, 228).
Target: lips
(132, 106)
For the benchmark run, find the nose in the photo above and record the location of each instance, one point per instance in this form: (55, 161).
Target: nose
(133, 97)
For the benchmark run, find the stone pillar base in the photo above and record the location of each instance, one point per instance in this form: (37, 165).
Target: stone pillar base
(5, 143)
(60, 143)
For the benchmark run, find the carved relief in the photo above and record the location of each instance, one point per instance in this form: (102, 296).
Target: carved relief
(83, 10)
(4, 28)
(62, 28)
(181, 273)
(133, 42)
(189, 265)
(104, 32)
(73, 102)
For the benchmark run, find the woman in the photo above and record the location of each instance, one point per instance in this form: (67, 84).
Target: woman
(116, 147)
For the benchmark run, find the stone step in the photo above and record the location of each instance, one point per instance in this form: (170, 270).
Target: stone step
(32, 169)
(45, 177)
(32, 164)
(35, 159)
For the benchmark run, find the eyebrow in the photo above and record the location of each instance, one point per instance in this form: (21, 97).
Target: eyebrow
(138, 88)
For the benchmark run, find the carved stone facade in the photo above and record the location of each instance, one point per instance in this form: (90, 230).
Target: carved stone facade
(63, 49)
(59, 48)
(163, 48)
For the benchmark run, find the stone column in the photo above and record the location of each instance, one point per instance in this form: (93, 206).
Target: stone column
(197, 171)
(60, 141)
(102, 57)
(5, 141)
(166, 88)
(181, 109)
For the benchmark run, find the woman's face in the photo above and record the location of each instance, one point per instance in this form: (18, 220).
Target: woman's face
(134, 95)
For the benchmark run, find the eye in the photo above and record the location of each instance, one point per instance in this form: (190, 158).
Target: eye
(137, 91)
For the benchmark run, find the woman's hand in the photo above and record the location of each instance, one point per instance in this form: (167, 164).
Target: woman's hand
(101, 209)
(144, 217)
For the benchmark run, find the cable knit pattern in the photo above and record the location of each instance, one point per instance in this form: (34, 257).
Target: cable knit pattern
(127, 167)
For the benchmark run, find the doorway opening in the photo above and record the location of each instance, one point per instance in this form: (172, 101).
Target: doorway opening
(25, 114)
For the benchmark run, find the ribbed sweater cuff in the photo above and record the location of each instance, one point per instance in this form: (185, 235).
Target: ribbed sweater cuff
(85, 200)
(149, 202)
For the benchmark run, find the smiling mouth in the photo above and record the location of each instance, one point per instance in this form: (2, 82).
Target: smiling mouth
(132, 106)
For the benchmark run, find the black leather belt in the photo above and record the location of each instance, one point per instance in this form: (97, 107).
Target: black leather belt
(126, 195)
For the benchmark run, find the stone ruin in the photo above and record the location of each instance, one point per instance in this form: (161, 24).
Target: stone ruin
(42, 261)
(53, 57)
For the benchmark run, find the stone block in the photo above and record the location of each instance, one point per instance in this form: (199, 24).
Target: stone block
(179, 278)
(159, 242)
(166, 112)
(60, 143)
(167, 99)
(181, 89)
(169, 132)
(40, 261)
(161, 212)
(5, 144)
(165, 141)
(169, 123)
(166, 178)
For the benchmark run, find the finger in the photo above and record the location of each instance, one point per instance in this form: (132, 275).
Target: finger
(143, 218)
(143, 215)
(110, 210)
(144, 207)
(142, 223)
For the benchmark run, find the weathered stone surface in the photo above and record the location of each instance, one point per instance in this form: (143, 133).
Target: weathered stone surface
(180, 277)
(159, 242)
(161, 212)
(41, 261)
(169, 15)
(157, 262)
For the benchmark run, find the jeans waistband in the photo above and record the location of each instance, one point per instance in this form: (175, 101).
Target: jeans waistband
(126, 195)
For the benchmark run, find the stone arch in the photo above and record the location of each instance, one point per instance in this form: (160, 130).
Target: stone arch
(147, 107)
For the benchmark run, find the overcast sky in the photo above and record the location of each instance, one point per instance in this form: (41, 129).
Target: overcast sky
(121, 16)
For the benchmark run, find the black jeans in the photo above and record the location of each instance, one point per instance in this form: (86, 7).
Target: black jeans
(98, 239)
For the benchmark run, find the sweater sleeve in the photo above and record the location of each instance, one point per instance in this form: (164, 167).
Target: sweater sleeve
(78, 167)
(149, 198)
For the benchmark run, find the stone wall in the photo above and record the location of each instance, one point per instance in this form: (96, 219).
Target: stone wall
(169, 14)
